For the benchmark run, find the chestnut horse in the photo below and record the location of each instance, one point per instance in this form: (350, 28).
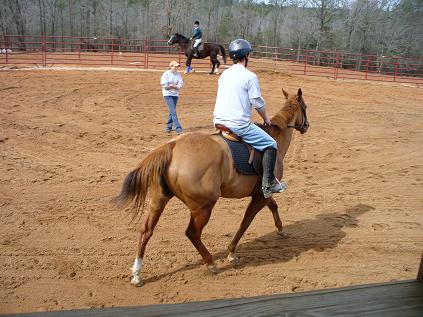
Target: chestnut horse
(209, 49)
(198, 169)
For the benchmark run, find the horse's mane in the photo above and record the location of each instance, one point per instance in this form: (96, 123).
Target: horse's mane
(282, 117)
(181, 36)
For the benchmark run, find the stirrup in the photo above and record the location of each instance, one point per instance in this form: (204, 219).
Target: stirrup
(270, 190)
(283, 184)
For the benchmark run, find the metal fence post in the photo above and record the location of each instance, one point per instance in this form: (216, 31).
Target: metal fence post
(305, 63)
(44, 50)
(337, 63)
(146, 49)
(367, 66)
(276, 57)
(6, 44)
(111, 53)
(396, 70)
(79, 51)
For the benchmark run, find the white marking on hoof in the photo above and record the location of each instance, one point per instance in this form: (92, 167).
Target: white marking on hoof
(212, 268)
(136, 269)
(283, 234)
(136, 281)
(233, 258)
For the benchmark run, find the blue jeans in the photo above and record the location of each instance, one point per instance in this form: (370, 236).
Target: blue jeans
(255, 136)
(171, 102)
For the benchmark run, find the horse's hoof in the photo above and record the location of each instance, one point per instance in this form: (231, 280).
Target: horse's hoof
(282, 233)
(137, 281)
(233, 259)
(212, 268)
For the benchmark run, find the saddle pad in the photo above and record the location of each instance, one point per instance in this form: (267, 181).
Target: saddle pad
(240, 155)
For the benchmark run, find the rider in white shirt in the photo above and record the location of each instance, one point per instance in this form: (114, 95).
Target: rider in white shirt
(238, 92)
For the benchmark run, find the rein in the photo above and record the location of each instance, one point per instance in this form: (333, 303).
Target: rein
(304, 124)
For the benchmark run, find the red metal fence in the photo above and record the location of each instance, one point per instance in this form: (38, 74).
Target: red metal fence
(155, 54)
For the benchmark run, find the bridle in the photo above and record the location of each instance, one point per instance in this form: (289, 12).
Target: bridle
(305, 124)
(170, 42)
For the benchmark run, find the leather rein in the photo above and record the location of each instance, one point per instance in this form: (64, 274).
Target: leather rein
(305, 124)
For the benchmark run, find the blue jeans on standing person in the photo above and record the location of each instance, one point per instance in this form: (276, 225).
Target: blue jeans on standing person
(171, 102)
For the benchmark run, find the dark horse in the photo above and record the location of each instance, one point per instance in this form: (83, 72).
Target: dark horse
(209, 49)
(198, 169)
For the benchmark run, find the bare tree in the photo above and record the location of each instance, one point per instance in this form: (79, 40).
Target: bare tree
(19, 19)
(325, 13)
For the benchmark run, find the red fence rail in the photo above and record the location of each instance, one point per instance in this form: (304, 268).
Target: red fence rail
(155, 54)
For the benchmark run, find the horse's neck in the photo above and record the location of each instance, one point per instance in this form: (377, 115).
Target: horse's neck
(284, 141)
(184, 42)
(282, 135)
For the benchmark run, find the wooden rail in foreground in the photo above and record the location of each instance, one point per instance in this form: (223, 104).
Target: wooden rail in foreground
(396, 299)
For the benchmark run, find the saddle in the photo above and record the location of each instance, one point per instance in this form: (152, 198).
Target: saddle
(199, 47)
(247, 160)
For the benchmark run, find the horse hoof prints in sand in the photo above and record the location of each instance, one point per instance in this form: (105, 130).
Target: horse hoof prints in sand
(198, 169)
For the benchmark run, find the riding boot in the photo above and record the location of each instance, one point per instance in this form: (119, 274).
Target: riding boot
(195, 54)
(270, 185)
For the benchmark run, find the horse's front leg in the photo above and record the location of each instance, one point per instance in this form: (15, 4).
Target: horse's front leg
(188, 64)
(199, 218)
(257, 203)
(188, 61)
(273, 206)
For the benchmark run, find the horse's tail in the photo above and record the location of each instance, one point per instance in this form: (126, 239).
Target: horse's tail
(149, 172)
(222, 49)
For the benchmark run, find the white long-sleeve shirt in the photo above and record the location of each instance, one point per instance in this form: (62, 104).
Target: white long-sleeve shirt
(237, 94)
(170, 77)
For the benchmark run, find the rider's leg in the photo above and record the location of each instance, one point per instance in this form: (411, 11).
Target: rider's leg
(195, 47)
(269, 185)
(263, 142)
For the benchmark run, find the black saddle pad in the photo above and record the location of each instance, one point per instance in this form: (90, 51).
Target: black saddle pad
(240, 155)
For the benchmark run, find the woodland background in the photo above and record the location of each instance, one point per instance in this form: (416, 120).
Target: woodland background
(380, 27)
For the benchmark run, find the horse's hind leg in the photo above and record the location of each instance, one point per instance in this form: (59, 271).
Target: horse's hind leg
(214, 65)
(256, 204)
(273, 206)
(199, 218)
(217, 67)
(158, 202)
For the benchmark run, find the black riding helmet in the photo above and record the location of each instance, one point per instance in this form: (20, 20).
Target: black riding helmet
(239, 49)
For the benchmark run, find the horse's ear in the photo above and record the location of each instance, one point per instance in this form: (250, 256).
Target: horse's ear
(299, 93)
(285, 93)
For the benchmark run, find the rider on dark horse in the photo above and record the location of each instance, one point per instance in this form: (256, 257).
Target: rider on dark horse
(196, 37)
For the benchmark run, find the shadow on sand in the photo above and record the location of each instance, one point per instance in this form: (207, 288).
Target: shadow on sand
(323, 232)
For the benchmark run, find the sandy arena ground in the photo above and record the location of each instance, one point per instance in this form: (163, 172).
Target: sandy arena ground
(353, 210)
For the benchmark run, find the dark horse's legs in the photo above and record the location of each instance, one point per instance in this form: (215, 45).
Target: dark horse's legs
(257, 203)
(188, 61)
(215, 63)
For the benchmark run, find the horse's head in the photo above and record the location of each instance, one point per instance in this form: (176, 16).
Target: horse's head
(298, 109)
(173, 39)
(177, 38)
